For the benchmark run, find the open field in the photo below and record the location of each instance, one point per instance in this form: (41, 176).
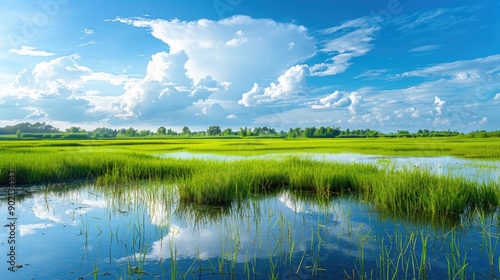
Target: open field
(409, 192)
(480, 148)
(252, 207)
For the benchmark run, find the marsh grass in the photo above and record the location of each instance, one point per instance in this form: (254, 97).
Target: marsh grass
(402, 252)
(481, 148)
(35, 166)
(409, 192)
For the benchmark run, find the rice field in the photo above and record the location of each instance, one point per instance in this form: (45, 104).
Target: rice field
(410, 192)
(420, 207)
(480, 148)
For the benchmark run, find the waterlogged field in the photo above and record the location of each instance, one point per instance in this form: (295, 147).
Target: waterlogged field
(253, 208)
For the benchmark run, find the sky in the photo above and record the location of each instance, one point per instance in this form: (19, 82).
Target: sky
(386, 65)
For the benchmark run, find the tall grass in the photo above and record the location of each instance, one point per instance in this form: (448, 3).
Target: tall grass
(410, 192)
(483, 148)
(37, 166)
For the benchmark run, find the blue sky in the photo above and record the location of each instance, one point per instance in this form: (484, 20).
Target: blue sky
(385, 65)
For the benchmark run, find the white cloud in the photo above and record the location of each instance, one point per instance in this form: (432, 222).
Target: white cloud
(435, 20)
(425, 48)
(240, 49)
(239, 40)
(289, 85)
(356, 99)
(106, 77)
(56, 90)
(31, 228)
(354, 39)
(460, 70)
(231, 117)
(93, 42)
(88, 31)
(328, 101)
(30, 51)
(497, 97)
(371, 73)
(439, 105)
(337, 99)
(165, 88)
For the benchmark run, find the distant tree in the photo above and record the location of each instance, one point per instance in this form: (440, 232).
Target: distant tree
(227, 132)
(292, 133)
(213, 130)
(171, 132)
(104, 132)
(186, 131)
(161, 130)
(131, 132)
(18, 133)
(243, 131)
(73, 129)
(144, 133)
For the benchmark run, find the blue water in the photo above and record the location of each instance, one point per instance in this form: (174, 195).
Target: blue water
(479, 170)
(82, 231)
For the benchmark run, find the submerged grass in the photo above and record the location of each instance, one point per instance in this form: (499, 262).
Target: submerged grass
(409, 192)
(412, 192)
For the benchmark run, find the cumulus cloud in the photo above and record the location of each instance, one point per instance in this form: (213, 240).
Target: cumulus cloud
(329, 101)
(338, 99)
(166, 88)
(54, 90)
(289, 85)
(30, 51)
(410, 111)
(226, 48)
(439, 104)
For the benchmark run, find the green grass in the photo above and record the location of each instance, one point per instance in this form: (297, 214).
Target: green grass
(480, 148)
(411, 193)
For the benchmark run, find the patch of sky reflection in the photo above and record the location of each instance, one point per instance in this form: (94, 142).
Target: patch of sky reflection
(442, 165)
(77, 231)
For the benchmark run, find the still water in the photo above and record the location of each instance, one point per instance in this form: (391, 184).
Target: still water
(479, 170)
(143, 232)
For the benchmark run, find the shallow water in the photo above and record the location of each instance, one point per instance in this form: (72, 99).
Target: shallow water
(480, 170)
(72, 232)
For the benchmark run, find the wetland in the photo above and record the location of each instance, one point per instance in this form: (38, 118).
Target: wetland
(254, 209)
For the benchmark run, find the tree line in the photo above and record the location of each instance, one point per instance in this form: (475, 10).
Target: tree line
(43, 130)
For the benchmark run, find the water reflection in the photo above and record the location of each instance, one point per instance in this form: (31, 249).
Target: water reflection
(443, 165)
(131, 231)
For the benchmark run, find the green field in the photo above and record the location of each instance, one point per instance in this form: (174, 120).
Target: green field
(480, 148)
(409, 192)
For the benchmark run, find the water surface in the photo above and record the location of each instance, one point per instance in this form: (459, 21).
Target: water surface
(479, 170)
(74, 232)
